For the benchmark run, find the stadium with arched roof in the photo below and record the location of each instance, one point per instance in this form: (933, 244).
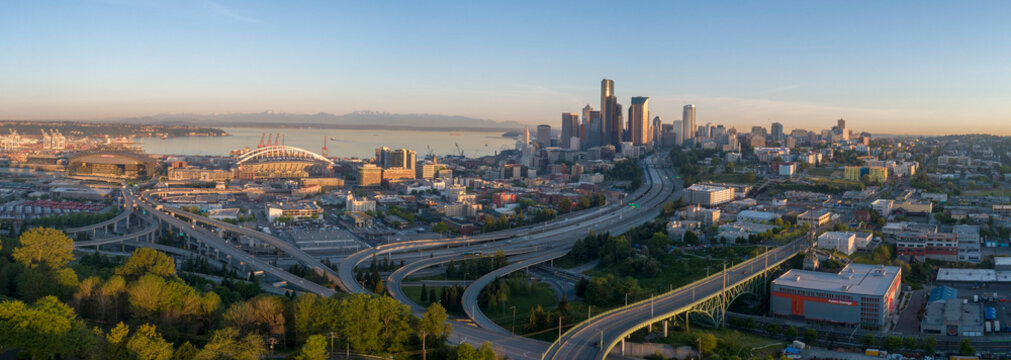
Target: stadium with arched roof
(281, 162)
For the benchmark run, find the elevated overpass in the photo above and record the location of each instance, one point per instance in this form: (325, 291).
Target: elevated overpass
(708, 299)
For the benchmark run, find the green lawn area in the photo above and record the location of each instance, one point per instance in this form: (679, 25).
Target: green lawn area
(731, 342)
(821, 171)
(414, 292)
(732, 178)
(543, 296)
(678, 270)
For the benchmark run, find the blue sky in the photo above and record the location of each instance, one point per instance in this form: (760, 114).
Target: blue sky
(897, 66)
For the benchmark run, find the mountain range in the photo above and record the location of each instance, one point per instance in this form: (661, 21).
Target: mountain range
(358, 119)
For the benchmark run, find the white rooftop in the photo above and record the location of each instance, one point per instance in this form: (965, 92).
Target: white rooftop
(854, 279)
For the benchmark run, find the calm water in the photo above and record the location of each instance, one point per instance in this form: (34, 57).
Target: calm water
(346, 143)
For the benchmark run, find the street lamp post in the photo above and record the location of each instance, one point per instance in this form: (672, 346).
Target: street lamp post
(514, 318)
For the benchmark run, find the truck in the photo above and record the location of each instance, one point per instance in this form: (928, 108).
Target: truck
(987, 327)
(872, 352)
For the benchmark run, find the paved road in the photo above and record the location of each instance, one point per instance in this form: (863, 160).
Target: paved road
(281, 245)
(660, 191)
(230, 251)
(583, 341)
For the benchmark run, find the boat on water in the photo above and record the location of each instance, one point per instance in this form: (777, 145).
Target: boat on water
(455, 134)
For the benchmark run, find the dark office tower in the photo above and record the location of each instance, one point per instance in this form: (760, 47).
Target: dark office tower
(841, 123)
(584, 138)
(610, 113)
(570, 128)
(638, 119)
(594, 130)
(619, 130)
(777, 131)
(544, 135)
(657, 130)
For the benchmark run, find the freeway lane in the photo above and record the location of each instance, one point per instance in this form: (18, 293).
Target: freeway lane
(283, 246)
(216, 242)
(650, 209)
(583, 341)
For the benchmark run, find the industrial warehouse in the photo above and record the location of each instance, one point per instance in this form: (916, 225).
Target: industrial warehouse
(858, 295)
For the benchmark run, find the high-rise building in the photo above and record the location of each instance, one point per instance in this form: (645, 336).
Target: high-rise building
(570, 128)
(619, 131)
(657, 130)
(610, 112)
(544, 135)
(584, 137)
(638, 118)
(403, 158)
(688, 123)
(777, 131)
(594, 130)
(383, 157)
(841, 123)
(679, 132)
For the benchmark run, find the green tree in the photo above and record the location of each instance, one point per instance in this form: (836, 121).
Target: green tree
(910, 343)
(433, 322)
(867, 340)
(929, 344)
(41, 330)
(314, 348)
(705, 342)
(226, 344)
(892, 343)
(440, 228)
(147, 261)
(146, 344)
(791, 332)
(186, 351)
(810, 335)
(965, 348)
(44, 246)
(773, 329)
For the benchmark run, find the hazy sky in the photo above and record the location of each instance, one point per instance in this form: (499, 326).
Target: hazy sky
(885, 66)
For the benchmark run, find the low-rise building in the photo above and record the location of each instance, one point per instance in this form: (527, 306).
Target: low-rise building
(859, 294)
(193, 174)
(929, 245)
(756, 216)
(708, 195)
(814, 218)
(293, 209)
(844, 241)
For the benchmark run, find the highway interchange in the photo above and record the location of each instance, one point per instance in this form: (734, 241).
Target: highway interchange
(527, 246)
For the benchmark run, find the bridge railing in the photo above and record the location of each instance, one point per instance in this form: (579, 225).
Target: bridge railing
(641, 302)
(695, 302)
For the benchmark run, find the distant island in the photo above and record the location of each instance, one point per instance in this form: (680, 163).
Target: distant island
(354, 120)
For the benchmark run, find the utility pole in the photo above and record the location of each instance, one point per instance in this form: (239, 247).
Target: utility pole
(514, 318)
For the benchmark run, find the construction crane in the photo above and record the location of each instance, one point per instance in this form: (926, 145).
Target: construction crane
(430, 153)
(459, 150)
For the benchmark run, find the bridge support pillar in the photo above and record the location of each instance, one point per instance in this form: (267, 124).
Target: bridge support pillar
(622, 347)
(115, 227)
(665, 322)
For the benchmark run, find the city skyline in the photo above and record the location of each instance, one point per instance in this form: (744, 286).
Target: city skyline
(888, 68)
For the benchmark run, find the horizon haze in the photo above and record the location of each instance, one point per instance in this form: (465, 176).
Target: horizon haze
(894, 68)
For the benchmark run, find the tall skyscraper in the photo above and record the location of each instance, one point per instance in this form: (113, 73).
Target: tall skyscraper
(638, 118)
(610, 113)
(679, 132)
(777, 131)
(584, 126)
(688, 123)
(619, 131)
(570, 128)
(841, 123)
(544, 135)
(594, 130)
(657, 130)
(403, 158)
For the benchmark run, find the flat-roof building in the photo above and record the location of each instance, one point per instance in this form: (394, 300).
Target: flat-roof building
(859, 294)
(814, 218)
(843, 241)
(708, 195)
(293, 209)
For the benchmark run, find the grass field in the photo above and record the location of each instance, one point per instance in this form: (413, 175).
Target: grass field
(821, 171)
(414, 292)
(732, 178)
(731, 342)
(678, 270)
(543, 296)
